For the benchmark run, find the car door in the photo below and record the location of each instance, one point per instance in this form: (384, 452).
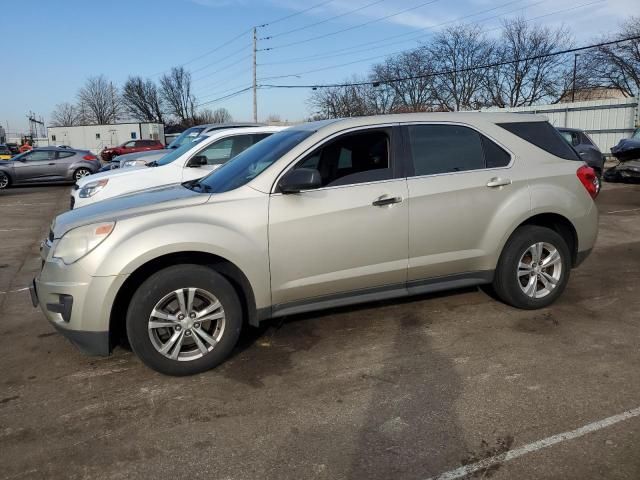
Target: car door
(459, 182)
(218, 153)
(35, 166)
(63, 161)
(350, 235)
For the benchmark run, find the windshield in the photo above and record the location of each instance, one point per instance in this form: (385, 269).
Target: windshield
(170, 157)
(185, 137)
(566, 135)
(636, 134)
(253, 161)
(19, 156)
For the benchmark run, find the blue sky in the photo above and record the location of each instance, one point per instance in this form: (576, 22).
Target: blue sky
(52, 46)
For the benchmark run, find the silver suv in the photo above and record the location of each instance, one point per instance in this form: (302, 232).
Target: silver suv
(322, 215)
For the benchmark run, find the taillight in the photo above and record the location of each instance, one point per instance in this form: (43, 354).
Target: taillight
(90, 157)
(589, 180)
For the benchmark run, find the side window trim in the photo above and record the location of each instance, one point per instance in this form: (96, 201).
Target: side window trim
(408, 155)
(395, 155)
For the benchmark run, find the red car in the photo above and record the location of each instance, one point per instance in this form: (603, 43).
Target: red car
(131, 146)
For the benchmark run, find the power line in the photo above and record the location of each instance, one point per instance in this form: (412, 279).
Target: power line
(332, 53)
(225, 97)
(461, 70)
(348, 29)
(331, 67)
(287, 17)
(226, 67)
(310, 25)
(220, 60)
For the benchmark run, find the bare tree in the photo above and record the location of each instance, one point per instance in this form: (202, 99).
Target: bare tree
(221, 115)
(141, 99)
(618, 65)
(100, 99)
(273, 118)
(65, 115)
(413, 93)
(175, 88)
(528, 80)
(455, 53)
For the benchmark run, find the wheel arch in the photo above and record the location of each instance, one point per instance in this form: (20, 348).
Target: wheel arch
(239, 281)
(558, 223)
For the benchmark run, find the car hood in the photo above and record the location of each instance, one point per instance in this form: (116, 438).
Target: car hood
(131, 205)
(137, 155)
(110, 174)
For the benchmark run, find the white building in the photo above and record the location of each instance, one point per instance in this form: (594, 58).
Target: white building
(97, 137)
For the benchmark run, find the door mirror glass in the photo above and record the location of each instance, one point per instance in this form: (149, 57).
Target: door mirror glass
(197, 161)
(300, 179)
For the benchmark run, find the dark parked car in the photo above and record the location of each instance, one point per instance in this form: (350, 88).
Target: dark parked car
(131, 146)
(45, 165)
(15, 149)
(585, 147)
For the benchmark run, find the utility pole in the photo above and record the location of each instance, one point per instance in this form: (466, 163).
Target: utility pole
(255, 76)
(573, 84)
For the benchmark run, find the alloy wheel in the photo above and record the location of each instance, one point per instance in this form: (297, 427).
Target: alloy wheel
(4, 180)
(186, 324)
(539, 270)
(82, 172)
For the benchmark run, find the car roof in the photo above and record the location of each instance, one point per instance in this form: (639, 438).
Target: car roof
(568, 129)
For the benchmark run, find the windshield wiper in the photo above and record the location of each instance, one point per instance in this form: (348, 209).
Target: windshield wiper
(152, 164)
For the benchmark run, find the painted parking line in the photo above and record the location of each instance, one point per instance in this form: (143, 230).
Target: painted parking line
(16, 229)
(623, 211)
(24, 204)
(15, 291)
(535, 446)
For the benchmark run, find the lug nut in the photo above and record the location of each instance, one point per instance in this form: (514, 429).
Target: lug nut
(192, 315)
(178, 328)
(188, 333)
(196, 325)
(180, 317)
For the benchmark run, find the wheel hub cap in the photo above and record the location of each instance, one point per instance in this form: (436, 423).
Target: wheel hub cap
(186, 324)
(539, 270)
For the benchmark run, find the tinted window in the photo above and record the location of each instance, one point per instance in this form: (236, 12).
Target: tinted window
(352, 158)
(444, 149)
(252, 162)
(544, 136)
(494, 155)
(174, 154)
(185, 137)
(60, 155)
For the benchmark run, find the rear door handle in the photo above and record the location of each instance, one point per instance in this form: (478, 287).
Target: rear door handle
(52, 164)
(498, 182)
(384, 200)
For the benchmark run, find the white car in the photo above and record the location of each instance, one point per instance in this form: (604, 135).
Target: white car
(188, 162)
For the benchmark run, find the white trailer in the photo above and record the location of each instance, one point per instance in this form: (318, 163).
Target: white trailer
(606, 121)
(97, 137)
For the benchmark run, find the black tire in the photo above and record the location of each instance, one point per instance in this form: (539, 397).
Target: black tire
(80, 173)
(161, 284)
(5, 181)
(506, 283)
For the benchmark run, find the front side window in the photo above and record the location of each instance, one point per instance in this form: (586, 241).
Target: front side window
(252, 162)
(223, 150)
(352, 158)
(38, 155)
(129, 145)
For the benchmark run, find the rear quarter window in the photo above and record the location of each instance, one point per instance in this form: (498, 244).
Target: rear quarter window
(544, 136)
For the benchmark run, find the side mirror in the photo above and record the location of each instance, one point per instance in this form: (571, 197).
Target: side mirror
(300, 179)
(197, 161)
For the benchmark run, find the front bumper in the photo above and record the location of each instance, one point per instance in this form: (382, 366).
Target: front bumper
(76, 304)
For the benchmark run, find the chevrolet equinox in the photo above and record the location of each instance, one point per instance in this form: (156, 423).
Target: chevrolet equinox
(322, 215)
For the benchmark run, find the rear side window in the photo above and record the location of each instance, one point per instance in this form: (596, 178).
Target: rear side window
(439, 149)
(544, 136)
(60, 155)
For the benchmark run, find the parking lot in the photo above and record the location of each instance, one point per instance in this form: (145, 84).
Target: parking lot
(408, 389)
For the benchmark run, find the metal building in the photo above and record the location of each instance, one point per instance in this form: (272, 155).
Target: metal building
(97, 137)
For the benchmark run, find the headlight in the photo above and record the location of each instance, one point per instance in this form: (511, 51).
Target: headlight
(78, 242)
(91, 188)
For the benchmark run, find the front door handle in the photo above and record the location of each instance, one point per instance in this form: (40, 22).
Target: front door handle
(51, 163)
(384, 200)
(498, 182)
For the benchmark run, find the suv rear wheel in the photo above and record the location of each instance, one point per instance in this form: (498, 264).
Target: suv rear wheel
(533, 269)
(184, 320)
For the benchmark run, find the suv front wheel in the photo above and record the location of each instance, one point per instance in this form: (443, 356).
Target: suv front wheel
(184, 319)
(533, 269)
